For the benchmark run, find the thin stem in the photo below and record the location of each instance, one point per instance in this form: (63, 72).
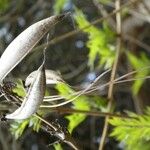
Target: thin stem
(51, 99)
(88, 91)
(81, 92)
(113, 73)
(46, 122)
(65, 136)
(62, 110)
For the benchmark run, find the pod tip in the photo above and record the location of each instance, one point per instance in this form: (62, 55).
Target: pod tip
(61, 16)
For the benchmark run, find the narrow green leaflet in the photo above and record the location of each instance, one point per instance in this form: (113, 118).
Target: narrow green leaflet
(99, 41)
(99, 103)
(18, 127)
(137, 63)
(81, 103)
(58, 147)
(19, 89)
(135, 133)
(75, 119)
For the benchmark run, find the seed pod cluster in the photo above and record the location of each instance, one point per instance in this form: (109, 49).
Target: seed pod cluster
(14, 54)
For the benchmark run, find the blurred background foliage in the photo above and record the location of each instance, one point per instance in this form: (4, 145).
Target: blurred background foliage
(80, 59)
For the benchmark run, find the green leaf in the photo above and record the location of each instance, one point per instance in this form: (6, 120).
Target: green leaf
(58, 147)
(19, 89)
(81, 103)
(137, 63)
(135, 132)
(99, 41)
(75, 119)
(18, 127)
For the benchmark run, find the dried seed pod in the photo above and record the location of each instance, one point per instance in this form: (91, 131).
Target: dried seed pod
(24, 43)
(34, 97)
(52, 77)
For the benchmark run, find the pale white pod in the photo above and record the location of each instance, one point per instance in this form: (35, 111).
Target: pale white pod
(52, 77)
(24, 43)
(33, 99)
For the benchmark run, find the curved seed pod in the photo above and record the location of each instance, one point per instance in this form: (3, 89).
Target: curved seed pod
(34, 97)
(52, 77)
(24, 43)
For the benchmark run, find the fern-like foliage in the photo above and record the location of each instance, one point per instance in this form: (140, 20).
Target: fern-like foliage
(135, 132)
(81, 103)
(99, 41)
(139, 62)
(18, 127)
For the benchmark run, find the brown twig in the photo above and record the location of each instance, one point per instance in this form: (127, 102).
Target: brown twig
(62, 110)
(112, 24)
(59, 132)
(113, 73)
